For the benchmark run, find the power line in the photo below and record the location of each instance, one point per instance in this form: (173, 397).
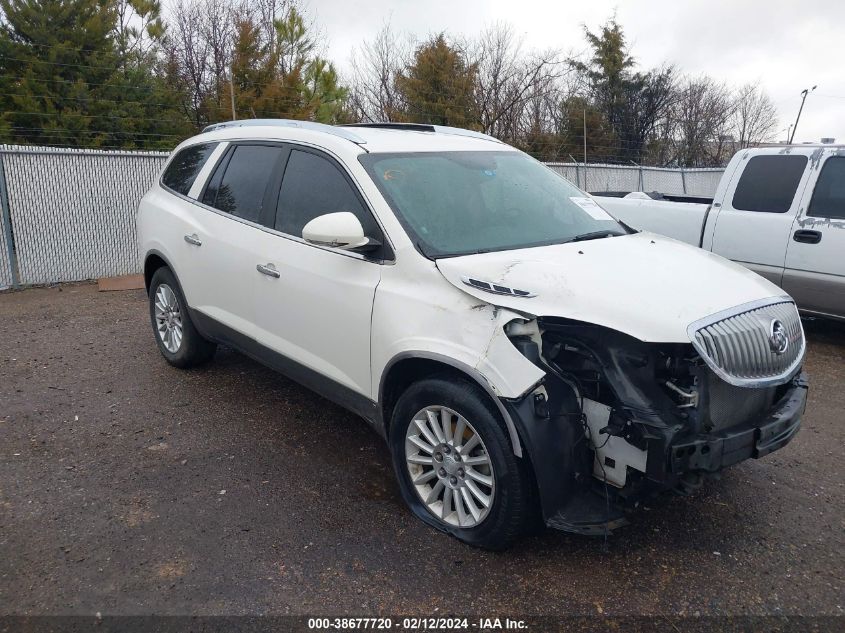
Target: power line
(73, 115)
(98, 100)
(64, 64)
(71, 132)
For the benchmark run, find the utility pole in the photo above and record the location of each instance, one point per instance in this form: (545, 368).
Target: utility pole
(804, 94)
(585, 149)
(232, 93)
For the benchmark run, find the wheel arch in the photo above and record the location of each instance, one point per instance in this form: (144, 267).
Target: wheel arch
(154, 260)
(405, 368)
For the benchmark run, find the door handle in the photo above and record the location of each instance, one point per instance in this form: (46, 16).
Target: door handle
(807, 236)
(269, 270)
(193, 239)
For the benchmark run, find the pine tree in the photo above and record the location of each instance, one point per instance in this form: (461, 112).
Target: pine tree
(72, 76)
(438, 86)
(282, 78)
(630, 102)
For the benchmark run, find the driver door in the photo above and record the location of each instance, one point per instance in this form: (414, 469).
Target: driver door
(314, 307)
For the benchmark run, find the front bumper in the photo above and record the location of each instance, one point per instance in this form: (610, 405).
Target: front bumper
(580, 507)
(772, 431)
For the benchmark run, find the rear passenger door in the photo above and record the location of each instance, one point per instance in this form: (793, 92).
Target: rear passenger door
(181, 215)
(315, 307)
(754, 224)
(235, 209)
(815, 259)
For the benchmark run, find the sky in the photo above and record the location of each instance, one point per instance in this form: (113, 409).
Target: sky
(786, 45)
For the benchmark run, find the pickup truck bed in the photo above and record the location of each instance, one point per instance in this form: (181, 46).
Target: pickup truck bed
(679, 220)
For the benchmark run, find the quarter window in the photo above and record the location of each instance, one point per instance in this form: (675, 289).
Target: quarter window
(183, 169)
(239, 186)
(829, 196)
(769, 183)
(312, 187)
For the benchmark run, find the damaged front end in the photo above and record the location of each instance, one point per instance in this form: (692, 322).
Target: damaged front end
(617, 420)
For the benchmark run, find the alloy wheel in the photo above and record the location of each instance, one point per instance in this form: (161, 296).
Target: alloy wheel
(450, 468)
(168, 317)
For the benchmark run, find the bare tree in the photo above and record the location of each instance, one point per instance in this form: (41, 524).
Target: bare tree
(218, 29)
(702, 114)
(511, 82)
(188, 54)
(198, 49)
(375, 65)
(755, 117)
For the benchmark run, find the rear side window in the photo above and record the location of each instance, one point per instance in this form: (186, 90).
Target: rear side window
(183, 169)
(769, 183)
(829, 196)
(314, 186)
(240, 184)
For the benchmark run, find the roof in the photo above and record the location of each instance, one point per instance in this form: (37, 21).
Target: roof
(369, 138)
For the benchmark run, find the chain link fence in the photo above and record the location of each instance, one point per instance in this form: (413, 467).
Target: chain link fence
(8, 276)
(72, 212)
(69, 215)
(595, 178)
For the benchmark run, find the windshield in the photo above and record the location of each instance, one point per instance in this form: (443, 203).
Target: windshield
(457, 203)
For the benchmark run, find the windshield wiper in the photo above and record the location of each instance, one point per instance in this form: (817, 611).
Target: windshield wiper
(594, 235)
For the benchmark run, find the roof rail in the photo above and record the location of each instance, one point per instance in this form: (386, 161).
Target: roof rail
(387, 125)
(305, 125)
(426, 127)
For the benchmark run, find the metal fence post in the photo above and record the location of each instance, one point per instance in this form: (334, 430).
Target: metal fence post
(683, 181)
(6, 221)
(642, 182)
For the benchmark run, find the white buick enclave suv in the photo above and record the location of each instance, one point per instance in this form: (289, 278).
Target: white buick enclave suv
(526, 356)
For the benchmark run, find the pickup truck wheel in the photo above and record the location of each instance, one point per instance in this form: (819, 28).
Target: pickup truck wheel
(177, 337)
(456, 468)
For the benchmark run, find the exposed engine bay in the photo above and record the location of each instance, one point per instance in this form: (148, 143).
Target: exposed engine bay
(619, 420)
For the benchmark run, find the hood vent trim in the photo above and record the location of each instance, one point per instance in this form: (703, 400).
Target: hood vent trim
(496, 289)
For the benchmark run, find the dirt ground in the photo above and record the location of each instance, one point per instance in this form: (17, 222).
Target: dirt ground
(130, 487)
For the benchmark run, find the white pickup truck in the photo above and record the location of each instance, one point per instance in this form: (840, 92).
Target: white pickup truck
(780, 211)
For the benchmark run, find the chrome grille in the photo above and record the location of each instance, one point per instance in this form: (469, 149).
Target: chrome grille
(738, 346)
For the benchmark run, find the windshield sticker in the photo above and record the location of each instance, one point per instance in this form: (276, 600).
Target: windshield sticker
(593, 210)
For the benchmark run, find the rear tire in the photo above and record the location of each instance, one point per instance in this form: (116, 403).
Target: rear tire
(488, 470)
(178, 339)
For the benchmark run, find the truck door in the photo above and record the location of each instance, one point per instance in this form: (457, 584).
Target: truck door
(754, 223)
(815, 258)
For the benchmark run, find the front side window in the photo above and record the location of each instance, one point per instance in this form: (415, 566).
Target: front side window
(769, 183)
(183, 169)
(456, 203)
(829, 195)
(239, 185)
(313, 186)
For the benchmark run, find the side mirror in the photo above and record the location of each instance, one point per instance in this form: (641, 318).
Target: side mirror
(341, 230)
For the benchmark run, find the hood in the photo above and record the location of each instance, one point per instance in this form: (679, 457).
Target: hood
(648, 286)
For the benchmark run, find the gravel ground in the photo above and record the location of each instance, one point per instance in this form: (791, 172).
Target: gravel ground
(130, 487)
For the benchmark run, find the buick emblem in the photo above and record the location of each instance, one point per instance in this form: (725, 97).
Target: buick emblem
(778, 340)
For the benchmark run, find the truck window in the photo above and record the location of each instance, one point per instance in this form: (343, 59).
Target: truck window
(829, 196)
(769, 183)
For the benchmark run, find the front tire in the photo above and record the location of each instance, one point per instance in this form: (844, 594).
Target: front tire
(455, 465)
(178, 339)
